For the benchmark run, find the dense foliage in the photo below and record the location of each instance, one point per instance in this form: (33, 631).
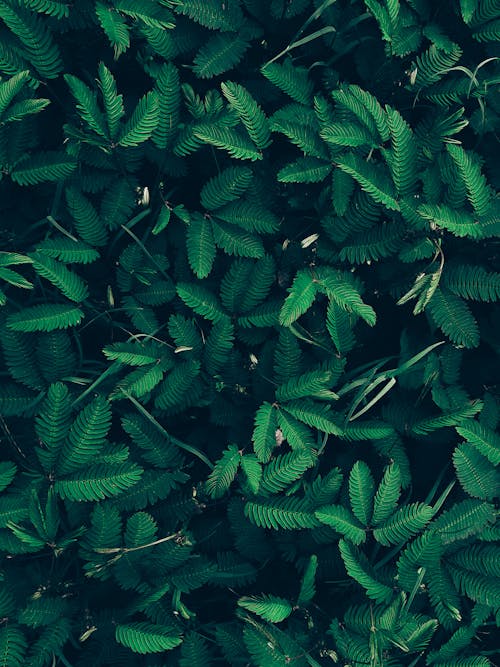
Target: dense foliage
(250, 286)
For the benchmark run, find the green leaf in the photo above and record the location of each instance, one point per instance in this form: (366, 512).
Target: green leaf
(249, 112)
(143, 638)
(387, 495)
(113, 103)
(143, 121)
(360, 570)
(227, 186)
(219, 54)
(98, 482)
(478, 191)
(224, 472)
(285, 513)
(370, 178)
(13, 646)
(345, 292)
(478, 477)
(292, 80)
(115, 27)
(347, 134)
(300, 298)
(314, 384)
(70, 284)
(308, 584)
(200, 300)
(463, 519)
(200, 245)
(454, 318)
(87, 222)
(87, 105)
(253, 471)
(297, 434)
(8, 471)
(35, 37)
(316, 415)
(486, 441)
(361, 492)
(47, 317)
(227, 139)
(168, 91)
(133, 354)
(269, 607)
(235, 241)
(304, 170)
(42, 167)
(10, 88)
(403, 524)
(403, 153)
(283, 470)
(68, 251)
(460, 223)
(86, 436)
(341, 519)
(264, 433)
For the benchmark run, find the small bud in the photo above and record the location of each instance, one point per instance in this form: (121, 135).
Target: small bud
(309, 240)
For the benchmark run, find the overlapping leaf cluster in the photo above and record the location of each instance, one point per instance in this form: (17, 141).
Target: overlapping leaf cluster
(249, 288)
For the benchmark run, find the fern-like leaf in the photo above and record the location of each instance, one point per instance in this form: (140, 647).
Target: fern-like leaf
(168, 91)
(69, 283)
(211, 14)
(283, 470)
(98, 482)
(249, 112)
(313, 414)
(478, 191)
(221, 53)
(291, 80)
(227, 186)
(454, 318)
(46, 317)
(343, 521)
(200, 300)
(86, 436)
(403, 154)
(42, 167)
(269, 607)
(361, 492)
(387, 495)
(360, 570)
(87, 222)
(142, 123)
(35, 37)
(225, 138)
(222, 476)
(304, 170)
(68, 251)
(472, 282)
(115, 27)
(281, 513)
(476, 474)
(486, 441)
(13, 646)
(200, 245)
(113, 103)
(145, 638)
(403, 524)
(235, 241)
(87, 105)
(371, 180)
(264, 434)
(301, 297)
